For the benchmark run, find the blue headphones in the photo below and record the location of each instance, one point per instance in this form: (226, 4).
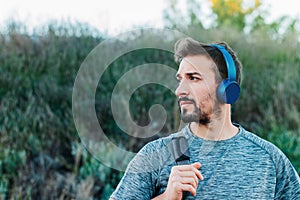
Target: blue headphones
(228, 90)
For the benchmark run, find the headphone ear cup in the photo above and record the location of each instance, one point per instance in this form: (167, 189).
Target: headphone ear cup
(228, 91)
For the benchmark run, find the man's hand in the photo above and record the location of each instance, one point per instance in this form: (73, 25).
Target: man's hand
(182, 178)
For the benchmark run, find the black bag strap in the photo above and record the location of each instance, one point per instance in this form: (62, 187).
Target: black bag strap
(180, 150)
(181, 154)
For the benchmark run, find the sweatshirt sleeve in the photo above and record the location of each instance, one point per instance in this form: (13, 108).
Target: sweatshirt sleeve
(287, 180)
(139, 179)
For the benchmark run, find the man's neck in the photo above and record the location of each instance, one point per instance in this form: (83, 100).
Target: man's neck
(218, 129)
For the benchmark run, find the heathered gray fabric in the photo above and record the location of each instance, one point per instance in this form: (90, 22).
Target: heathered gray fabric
(243, 167)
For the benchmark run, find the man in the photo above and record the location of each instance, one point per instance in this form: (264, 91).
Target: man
(225, 160)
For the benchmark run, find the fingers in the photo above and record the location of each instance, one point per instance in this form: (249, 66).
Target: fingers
(197, 166)
(192, 180)
(193, 167)
(185, 187)
(185, 178)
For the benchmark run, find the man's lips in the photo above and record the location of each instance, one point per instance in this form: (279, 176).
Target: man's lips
(182, 103)
(185, 101)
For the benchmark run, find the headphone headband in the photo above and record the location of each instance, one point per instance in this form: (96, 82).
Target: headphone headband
(231, 72)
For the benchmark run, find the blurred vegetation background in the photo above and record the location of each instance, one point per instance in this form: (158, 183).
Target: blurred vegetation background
(41, 155)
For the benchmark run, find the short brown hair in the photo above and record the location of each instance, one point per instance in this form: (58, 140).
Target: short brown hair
(189, 47)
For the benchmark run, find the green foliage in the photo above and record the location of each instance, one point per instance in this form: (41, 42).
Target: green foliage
(36, 77)
(105, 178)
(231, 13)
(142, 99)
(241, 15)
(10, 160)
(288, 141)
(174, 17)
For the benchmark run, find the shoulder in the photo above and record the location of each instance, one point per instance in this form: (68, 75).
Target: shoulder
(154, 154)
(280, 161)
(273, 151)
(161, 143)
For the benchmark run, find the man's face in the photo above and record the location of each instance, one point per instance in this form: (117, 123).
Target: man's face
(197, 89)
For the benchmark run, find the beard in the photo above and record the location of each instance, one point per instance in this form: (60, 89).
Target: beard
(198, 115)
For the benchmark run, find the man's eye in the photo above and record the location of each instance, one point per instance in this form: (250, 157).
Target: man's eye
(192, 78)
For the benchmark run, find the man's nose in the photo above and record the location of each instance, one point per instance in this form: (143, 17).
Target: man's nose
(182, 89)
